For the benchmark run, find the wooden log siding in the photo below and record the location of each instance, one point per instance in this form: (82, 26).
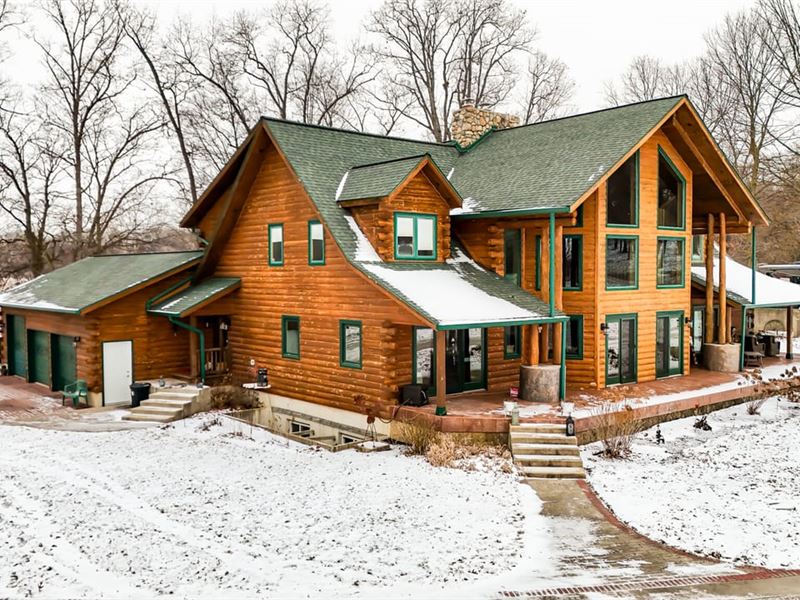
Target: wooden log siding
(418, 196)
(319, 295)
(647, 299)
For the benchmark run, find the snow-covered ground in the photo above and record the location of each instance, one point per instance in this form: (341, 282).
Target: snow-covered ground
(185, 512)
(732, 492)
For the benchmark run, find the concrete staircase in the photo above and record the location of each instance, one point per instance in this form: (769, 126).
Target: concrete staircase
(543, 450)
(165, 405)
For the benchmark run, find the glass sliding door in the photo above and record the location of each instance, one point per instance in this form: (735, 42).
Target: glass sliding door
(669, 344)
(465, 359)
(620, 349)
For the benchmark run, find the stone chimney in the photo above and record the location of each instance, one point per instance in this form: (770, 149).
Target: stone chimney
(470, 123)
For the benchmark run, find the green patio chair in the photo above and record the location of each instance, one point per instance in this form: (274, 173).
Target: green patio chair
(76, 391)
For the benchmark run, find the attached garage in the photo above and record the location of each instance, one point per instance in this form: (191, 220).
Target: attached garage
(88, 321)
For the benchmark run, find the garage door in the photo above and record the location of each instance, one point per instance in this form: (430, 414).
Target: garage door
(16, 346)
(64, 364)
(39, 356)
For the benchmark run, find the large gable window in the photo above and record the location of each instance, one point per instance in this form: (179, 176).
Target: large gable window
(316, 243)
(621, 262)
(414, 236)
(622, 194)
(671, 194)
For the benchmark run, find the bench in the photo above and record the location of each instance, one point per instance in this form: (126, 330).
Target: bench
(753, 359)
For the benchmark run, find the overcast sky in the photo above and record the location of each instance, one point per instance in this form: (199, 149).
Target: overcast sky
(597, 39)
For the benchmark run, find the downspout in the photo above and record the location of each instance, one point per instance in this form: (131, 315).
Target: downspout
(551, 296)
(753, 265)
(201, 341)
(562, 388)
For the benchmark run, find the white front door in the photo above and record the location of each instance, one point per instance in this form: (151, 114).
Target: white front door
(117, 372)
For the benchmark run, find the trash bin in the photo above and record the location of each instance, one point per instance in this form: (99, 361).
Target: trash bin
(139, 393)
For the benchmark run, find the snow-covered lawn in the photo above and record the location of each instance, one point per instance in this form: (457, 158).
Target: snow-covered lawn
(733, 492)
(185, 512)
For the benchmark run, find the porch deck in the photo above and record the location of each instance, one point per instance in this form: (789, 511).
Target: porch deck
(660, 400)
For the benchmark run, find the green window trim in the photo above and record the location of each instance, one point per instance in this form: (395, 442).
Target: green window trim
(682, 284)
(635, 285)
(416, 218)
(578, 320)
(272, 261)
(579, 287)
(285, 320)
(634, 353)
(431, 391)
(311, 259)
(538, 266)
(682, 227)
(681, 327)
(517, 351)
(636, 184)
(343, 362)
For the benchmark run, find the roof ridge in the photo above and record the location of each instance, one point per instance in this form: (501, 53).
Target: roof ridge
(144, 253)
(592, 112)
(449, 144)
(391, 160)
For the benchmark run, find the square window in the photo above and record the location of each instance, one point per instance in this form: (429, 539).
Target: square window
(290, 343)
(299, 428)
(622, 194)
(415, 236)
(669, 262)
(621, 262)
(350, 344)
(316, 243)
(572, 260)
(671, 193)
(512, 341)
(276, 245)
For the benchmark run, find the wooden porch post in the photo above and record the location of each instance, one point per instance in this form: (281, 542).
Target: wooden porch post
(789, 332)
(530, 357)
(544, 344)
(723, 334)
(558, 291)
(441, 373)
(194, 356)
(709, 328)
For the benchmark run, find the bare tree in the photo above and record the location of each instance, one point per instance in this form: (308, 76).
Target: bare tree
(82, 81)
(548, 88)
(167, 80)
(647, 78)
(29, 172)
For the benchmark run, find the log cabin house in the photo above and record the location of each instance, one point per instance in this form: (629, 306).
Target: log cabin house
(350, 265)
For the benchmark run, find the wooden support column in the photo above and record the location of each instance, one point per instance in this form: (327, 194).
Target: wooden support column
(544, 343)
(558, 291)
(544, 269)
(789, 332)
(723, 334)
(441, 373)
(194, 352)
(709, 320)
(530, 357)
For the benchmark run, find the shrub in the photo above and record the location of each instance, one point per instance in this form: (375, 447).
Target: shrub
(616, 429)
(419, 434)
(754, 406)
(230, 396)
(462, 452)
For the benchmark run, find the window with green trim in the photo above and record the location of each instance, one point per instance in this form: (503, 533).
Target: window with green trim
(316, 243)
(424, 358)
(574, 347)
(622, 262)
(415, 236)
(512, 341)
(622, 194)
(669, 262)
(698, 249)
(538, 273)
(512, 255)
(276, 244)
(350, 344)
(671, 194)
(669, 343)
(572, 262)
(290, 338)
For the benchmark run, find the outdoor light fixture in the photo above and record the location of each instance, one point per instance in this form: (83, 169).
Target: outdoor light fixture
(570, 426)
(603, 328)
(687, 320)
(75, 340)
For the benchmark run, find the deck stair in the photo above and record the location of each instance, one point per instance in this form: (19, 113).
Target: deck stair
(165, 405)
(543, 450)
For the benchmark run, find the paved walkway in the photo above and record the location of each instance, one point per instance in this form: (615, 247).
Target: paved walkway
(596, 556)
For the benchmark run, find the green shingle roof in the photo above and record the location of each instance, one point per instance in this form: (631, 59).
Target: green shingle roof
(184, 301)
(377, 180)
(87, 282)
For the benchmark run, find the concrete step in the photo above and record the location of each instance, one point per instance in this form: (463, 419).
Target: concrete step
(174, 393)
(540, 427)
(157, 410)
(546, 449)
(167, 402)
(537, 460)
(553, 472)
(533, 437)
(148, 417)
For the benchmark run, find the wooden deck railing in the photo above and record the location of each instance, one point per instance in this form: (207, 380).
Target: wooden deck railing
(215, 360)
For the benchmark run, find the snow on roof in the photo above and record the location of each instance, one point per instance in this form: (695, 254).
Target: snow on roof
(364, 250)
(769, 290)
